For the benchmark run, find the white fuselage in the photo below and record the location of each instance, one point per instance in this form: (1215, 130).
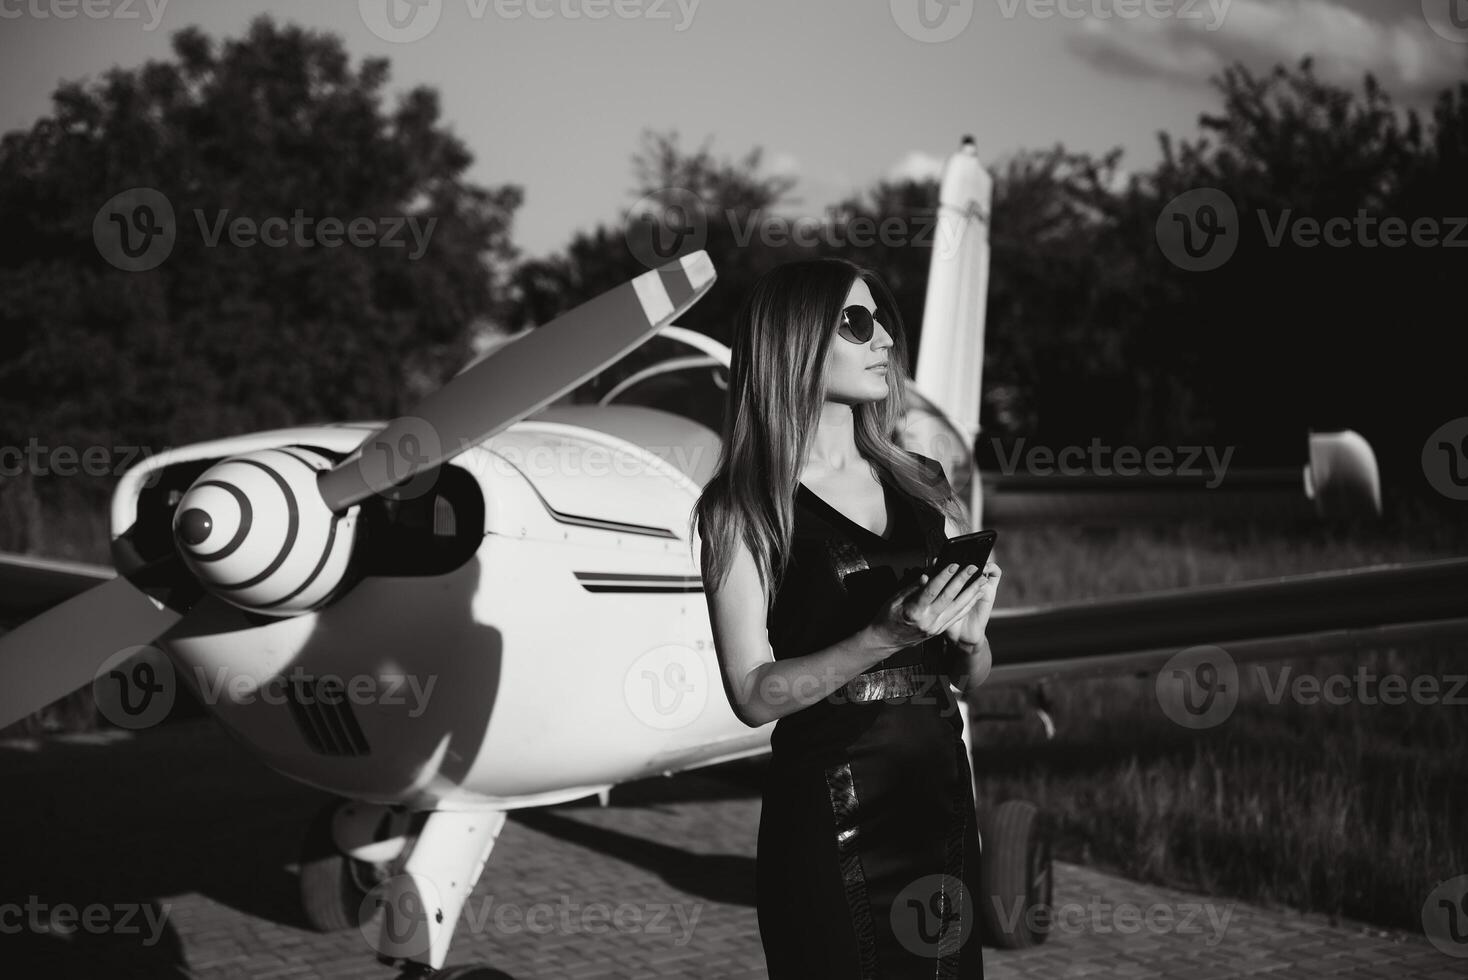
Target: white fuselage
(573, 651)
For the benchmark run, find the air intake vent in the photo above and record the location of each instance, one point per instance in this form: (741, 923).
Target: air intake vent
(325, 717)
(444, 524)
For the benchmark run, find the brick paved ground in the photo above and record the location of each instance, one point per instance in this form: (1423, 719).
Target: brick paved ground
(184, 824)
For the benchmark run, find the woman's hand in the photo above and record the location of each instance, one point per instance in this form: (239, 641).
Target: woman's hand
(928, 606)
(967, 629)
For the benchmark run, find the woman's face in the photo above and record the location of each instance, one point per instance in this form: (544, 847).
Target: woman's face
(850, 375)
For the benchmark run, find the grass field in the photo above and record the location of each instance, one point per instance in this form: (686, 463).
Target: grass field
(1349, 809)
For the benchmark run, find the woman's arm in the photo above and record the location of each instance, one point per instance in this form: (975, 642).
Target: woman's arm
(761, 688)
(971, 664)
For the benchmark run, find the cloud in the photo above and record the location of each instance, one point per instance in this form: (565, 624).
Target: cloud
(1409, 60)
(784, 164)
(916, 165)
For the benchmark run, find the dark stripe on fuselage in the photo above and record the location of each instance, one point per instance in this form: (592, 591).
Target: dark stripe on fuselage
(619, 527)
(644, 591)
(624, 582)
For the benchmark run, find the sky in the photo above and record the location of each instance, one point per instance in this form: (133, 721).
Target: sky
(553, 95)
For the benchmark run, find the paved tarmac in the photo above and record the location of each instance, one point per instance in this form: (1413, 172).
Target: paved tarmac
(173, 853)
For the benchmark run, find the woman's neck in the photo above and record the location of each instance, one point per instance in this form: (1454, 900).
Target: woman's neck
(833, 448)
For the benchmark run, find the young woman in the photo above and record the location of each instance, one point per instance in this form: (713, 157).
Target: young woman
(868, 855)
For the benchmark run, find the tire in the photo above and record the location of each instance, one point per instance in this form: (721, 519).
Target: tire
(333, 886)
(1016, 877)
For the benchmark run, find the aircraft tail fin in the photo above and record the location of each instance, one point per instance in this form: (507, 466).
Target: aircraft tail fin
(951, 353)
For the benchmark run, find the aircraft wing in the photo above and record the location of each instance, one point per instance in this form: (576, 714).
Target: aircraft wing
(1300, 615)
(1293, 616)
(29, 586)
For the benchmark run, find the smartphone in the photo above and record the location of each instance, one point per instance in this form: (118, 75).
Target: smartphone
(966, 549)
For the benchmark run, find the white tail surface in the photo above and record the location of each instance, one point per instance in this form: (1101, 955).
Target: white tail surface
(951, 355)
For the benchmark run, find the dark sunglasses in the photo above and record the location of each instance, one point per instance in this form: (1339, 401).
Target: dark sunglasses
(858, 324)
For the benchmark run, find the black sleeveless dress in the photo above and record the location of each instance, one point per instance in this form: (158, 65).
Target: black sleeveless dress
(868, 855)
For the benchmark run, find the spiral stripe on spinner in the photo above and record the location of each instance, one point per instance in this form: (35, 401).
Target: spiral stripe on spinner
(332, 554)
(316, 462)
(296, 552)
(293, 518)
(246, 517)
(326, 554)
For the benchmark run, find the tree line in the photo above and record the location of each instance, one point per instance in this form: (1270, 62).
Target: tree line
(1097, 327)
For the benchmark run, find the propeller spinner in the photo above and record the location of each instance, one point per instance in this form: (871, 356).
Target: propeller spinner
(256, 533)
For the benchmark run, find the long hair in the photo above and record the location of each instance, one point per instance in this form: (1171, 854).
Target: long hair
(773, 405)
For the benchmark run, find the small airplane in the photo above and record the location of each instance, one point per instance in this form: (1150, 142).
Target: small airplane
(493, 603)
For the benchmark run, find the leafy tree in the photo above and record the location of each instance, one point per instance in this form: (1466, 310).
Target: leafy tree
(1289, 335)
(222, 338)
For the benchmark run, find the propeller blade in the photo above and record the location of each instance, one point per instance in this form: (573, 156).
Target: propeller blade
(62, 649)
(518, 378)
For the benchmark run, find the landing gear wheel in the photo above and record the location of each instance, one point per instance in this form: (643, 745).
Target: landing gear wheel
(470, 973)
(333, 886)
(1016, 880)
